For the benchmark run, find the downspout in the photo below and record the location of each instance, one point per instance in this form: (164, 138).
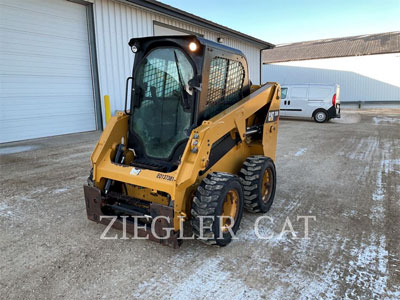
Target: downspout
(261, 63)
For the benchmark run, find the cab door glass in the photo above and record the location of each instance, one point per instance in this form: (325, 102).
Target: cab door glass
(161, 83)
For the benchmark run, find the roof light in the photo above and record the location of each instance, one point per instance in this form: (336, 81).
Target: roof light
(193, 46)
(134, 49)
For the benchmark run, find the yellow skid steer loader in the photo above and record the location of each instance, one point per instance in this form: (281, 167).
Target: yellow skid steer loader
(195, 145)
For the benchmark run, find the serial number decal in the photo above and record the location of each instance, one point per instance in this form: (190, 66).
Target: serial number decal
(272, 116)
(165, 177)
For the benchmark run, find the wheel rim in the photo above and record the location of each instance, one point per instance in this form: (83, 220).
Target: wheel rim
(229, 209)
(321, 116)
(267, 183)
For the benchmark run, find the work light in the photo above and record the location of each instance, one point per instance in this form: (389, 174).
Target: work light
(193, 46)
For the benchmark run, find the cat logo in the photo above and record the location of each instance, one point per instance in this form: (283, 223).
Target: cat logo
(135, 171)
(272, 116)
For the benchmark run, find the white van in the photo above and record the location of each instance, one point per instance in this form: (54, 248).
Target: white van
(318, 101)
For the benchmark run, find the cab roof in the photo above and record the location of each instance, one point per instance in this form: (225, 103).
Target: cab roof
(187, 38)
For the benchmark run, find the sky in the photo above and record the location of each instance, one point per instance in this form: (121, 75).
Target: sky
(291, 21)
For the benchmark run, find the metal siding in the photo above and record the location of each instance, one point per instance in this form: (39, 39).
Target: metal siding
(361, 78)
(116, 23)
(46, 85)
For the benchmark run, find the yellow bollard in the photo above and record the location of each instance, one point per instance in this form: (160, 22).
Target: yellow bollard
(107, 107)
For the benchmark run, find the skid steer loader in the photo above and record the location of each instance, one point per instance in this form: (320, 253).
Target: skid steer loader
(195, 144)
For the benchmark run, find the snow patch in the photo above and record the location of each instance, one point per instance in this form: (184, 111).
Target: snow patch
(308, 285)
(300, 152)
(39, 190)
(24, 198)
(385, 166)
(365, 149)
(209, 281)
(16, 149)
(385, 119)
(5, 210)
(266, 236)
(368, 267)
(59, 191)
(351, 213)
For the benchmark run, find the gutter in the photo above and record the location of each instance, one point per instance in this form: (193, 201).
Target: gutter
(261, 62)
(182, 15)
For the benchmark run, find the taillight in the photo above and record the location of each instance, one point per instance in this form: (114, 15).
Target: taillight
(334, 100)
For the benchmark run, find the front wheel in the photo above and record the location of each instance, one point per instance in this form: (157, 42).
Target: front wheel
(217, 208)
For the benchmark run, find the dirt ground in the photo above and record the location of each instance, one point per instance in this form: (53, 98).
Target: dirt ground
(346, 173)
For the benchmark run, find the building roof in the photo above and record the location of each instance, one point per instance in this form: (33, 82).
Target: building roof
(180, 14)
(339, 47)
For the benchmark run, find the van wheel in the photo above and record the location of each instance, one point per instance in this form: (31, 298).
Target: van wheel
(320, 116)
(219, 196)
(258, 177)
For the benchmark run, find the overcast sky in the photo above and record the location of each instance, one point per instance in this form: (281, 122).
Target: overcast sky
(291, 21)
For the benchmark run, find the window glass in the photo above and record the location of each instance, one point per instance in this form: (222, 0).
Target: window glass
(283, 93)
(234, 81)
(319, 92)
(298, 92)
(161, 82)
(217, 80)
(224, 85)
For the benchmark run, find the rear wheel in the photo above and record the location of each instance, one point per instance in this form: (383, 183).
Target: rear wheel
(217, 208)
(320, 116)
(258, 177)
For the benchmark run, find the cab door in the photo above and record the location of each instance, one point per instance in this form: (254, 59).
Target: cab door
(284, 102)
(297, 101)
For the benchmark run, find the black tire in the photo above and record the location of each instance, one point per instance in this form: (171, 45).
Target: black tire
(209, 201)
(252, 178)
(320, 116)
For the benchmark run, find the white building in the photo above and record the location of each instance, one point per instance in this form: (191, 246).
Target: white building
(367, 67)
(59, 58)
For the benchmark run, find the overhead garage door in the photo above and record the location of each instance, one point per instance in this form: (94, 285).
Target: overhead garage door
(45, 71)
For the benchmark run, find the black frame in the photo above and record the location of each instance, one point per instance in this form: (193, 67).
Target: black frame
(201, 60)
(192, 109)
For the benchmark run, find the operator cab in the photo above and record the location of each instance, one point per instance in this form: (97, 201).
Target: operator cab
(178, 82)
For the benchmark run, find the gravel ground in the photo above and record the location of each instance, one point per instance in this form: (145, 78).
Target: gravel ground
(346, 173)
